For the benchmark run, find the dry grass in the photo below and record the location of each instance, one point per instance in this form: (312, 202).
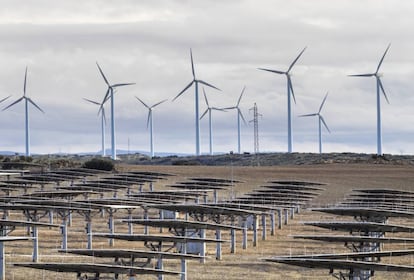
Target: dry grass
(245, 264)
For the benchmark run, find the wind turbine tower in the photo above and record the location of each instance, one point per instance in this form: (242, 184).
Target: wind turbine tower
(210, 122)
(27, 100)
(195, 81)
(110, 95)
(290, 93)
(239, 115)
(380, 88)
(321, 122)
(103, 122)
(150, 122)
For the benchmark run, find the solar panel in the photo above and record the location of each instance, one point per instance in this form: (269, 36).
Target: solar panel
(59, 194)
(341, 264)
(215, 180)
(384, 191)
(268, 201)
(354, 238)
(14, 238)
(180, 224)
(245, 206)
(357, 255)
(205, 209)
(293, 187)
(364, 212)
(124, 253)
(295, 183)
(95, 268)
(361, 226)
(195, 186)
(289, 191)
(15, 223)
(157, 238)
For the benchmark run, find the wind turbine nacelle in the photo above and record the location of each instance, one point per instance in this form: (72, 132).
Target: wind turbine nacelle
(379, 75)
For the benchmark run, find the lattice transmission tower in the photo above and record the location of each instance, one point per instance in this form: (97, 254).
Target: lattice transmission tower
(255, 122)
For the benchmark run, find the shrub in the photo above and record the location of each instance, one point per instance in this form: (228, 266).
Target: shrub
(99, 164)
(185, 162)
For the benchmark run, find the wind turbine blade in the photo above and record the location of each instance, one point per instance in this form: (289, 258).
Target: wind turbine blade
(143, 103)
(181, 92)
(34, 104)
(291, 88)
(241, 115)
(205, 112)
(123, 84)
(383, 91)
(156, 104)
(207, 84)
(218, 109)
(4, 99)
(273, 71)
(324, 123)
(24, 86)
(103, 114)
(382, 59)
(323, 102)
(205, 98)
(240, 97)
(230, 108)
(296, 59)
(91, 101)
(309, 115)
(101, 109)
(362, 75)
(106, 97)
(15, 102)
(103, 76)
(192, 63)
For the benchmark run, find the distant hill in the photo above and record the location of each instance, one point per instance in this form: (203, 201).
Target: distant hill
(271, 159)
(246, 159)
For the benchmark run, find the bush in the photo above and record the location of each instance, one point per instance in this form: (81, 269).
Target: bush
(185, 162)
(99, 164)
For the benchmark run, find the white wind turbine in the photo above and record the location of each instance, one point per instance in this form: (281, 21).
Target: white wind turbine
(27, 100)
(197, 119)
(150, 122)
(103, 122)
(289, 93)
(210, 124)
(321, 121)
(239, 115)
(380, 87)
(110, 94)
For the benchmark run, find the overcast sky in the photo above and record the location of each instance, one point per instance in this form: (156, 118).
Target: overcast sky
(148, 42)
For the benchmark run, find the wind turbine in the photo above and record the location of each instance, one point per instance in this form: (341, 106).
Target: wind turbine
(239, 115)
(27, 100)
(150, 121)
(195, 81)
(321, 121)
(380, 87)
(210, 125)
(103, 122)
(289, 93)
(110, 94)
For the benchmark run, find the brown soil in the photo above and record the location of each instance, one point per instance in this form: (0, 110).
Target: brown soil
(340, 180)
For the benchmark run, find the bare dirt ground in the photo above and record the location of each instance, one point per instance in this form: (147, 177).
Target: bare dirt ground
(340, 180)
